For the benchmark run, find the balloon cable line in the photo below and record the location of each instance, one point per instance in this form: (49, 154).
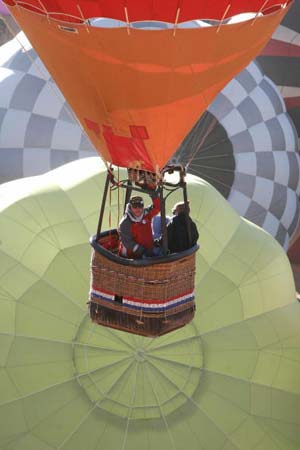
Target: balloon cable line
(217, 180)
(199, 166)
(215, 169)
(205, 176)
(119, 204)
(202, 173)
(201, 157)
(223, 17)
(196, 161)
(201, 149)
(109, 208)
(204, 136)
(196, 143)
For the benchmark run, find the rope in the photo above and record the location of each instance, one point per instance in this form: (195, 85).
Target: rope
(109, 214)
(118, 192)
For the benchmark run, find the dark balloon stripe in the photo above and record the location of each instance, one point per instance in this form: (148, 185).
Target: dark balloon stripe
(279, 48)
(295, 116)
(294, 252)
(292, 102)
(292, 19)
(284, 71)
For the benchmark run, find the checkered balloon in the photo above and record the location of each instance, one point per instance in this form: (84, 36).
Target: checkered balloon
(37, 129)
(280, 60)
(246, 145)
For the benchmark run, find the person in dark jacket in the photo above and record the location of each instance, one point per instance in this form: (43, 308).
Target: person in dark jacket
(135, 228)
(177, 230)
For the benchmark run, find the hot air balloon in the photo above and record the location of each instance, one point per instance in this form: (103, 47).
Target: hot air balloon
(140, 88)
(246, 146)
(38, 130)
(229, 380)
(280, 61)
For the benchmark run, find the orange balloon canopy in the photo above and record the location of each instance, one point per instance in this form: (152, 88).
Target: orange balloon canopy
(138, 92)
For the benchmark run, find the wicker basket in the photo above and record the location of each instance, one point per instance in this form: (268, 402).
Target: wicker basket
(149, 297)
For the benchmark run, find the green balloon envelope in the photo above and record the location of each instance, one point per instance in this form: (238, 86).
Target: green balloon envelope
(227, 381)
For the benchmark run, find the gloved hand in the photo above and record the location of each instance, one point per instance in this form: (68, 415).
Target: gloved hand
(157, 242)
(139, 251)
(150, 186)
(154, 193)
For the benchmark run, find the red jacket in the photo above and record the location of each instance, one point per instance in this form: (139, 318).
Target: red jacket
(137, 234)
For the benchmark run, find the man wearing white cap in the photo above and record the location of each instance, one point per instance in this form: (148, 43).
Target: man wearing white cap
(135, 228)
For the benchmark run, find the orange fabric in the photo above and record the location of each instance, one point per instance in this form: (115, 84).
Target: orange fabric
(137, 95)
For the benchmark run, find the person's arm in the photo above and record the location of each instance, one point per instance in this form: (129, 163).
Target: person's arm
(154, 209)
(127, 238)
